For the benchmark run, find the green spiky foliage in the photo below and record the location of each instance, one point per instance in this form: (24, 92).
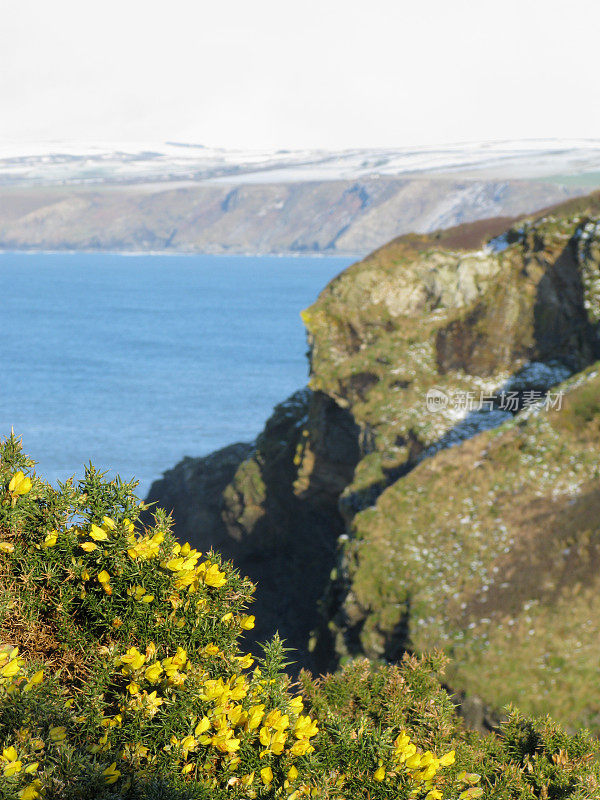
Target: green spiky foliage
(122, 675)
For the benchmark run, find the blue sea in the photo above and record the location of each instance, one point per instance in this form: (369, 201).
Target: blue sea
(133, 362)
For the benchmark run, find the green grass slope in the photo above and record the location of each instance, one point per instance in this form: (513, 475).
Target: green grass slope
(490, 550)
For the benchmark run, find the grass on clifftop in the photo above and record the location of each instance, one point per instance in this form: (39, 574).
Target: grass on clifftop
(122, 676)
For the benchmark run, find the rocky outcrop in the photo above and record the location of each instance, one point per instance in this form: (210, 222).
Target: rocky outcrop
(413, 525)
(272, 508)
(194, 487)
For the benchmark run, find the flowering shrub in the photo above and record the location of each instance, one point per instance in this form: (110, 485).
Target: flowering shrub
(122, 676)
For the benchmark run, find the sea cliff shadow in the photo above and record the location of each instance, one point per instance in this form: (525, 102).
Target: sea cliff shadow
(272, 509)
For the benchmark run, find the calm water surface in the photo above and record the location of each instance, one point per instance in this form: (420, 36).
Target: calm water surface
(133, 362)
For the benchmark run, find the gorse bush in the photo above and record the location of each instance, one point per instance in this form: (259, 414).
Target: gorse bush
(359, 704)
(122, 676)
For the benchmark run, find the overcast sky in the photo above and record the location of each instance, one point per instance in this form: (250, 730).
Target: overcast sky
(296, 73)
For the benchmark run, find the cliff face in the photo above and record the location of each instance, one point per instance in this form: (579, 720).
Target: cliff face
(272, 508)
(409, 525)
(334, 216)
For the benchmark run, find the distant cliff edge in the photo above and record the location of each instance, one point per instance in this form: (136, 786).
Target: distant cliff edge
(329, 216)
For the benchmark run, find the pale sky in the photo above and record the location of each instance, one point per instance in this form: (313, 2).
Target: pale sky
(298, 73)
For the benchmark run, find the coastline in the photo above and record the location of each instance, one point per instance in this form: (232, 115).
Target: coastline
(138, 253)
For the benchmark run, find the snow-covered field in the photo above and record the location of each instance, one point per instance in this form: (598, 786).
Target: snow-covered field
(53, 163)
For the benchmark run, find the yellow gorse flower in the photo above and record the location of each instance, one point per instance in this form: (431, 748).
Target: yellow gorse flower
(51, 539)
(153, 672)
(132, 660)
(202, 726)
(305, 728)
(139, 594)
(35, 679)
(296, 704)
(266, 775)
(145, 547)
(448, 759)
(214, 577)
(111, 774)
(32, 791)
(98, 534)
(58, 734)
(13, 765)
(255, 715)
(10, 669)
(19, 484)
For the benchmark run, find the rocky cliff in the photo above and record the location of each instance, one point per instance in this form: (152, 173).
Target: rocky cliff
(331, 216)
(272, 508)
(437, 485)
